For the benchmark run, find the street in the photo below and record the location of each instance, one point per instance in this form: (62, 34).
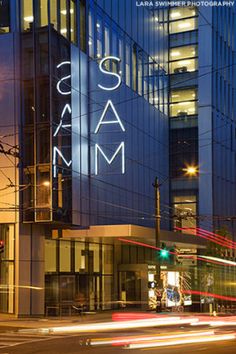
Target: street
(167, 338)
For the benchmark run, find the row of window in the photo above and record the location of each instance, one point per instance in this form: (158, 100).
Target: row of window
(78, 257)
(183, 102)
(182, 19)
(62, 16)
(183, 59)
(138, 70)
(94, 292)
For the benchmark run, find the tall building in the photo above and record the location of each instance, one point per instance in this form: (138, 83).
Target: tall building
(82, 140)
(202, 116)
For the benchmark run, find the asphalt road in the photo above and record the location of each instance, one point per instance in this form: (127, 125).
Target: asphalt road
(22, 343)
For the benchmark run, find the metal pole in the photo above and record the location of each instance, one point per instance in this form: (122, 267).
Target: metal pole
(156, 185)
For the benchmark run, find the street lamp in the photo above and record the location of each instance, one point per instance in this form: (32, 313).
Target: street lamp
(191, 171)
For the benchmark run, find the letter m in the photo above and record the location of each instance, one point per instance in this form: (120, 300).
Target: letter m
(58, 154)
(121, 149)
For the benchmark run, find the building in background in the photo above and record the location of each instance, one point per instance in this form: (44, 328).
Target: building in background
(202, 136)
(202, 116)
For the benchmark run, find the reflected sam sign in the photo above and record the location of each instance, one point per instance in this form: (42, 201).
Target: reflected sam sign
(109, 107)
(57, 153)
(120, 150)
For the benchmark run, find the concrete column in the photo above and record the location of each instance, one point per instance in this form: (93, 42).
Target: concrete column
(29, 270)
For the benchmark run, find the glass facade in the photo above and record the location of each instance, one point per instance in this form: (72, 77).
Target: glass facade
(183, 109)
(78, 269)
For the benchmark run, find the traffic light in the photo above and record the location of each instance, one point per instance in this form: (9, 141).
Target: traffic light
(164, 253)
(2, 246)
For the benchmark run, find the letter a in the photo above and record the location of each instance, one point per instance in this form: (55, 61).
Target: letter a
(116, 121)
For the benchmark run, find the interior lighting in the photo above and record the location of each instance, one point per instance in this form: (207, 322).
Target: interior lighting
(29, 18)
(64, 12)
(183, 62)
(175, 54)
(175, 14)
(46, 183)
(63, 30)
(184, 25)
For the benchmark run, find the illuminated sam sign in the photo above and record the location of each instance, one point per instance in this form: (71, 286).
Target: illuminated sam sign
(66, 91)
(57, 153)
(116, 120)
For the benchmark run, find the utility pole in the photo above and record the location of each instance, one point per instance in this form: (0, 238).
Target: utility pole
(156, 186)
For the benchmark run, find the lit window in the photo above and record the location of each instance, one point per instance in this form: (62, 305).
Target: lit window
(183, 102)
(185, 209)
(63, 19)
(53, 13)
(99, 38)
(183, 25)
(73, 31)
(127, 66)
(43, 13)
(178, 13)
(91, 34)
(28, 18)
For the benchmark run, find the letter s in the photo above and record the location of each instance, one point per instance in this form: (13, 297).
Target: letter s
(109, 73)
